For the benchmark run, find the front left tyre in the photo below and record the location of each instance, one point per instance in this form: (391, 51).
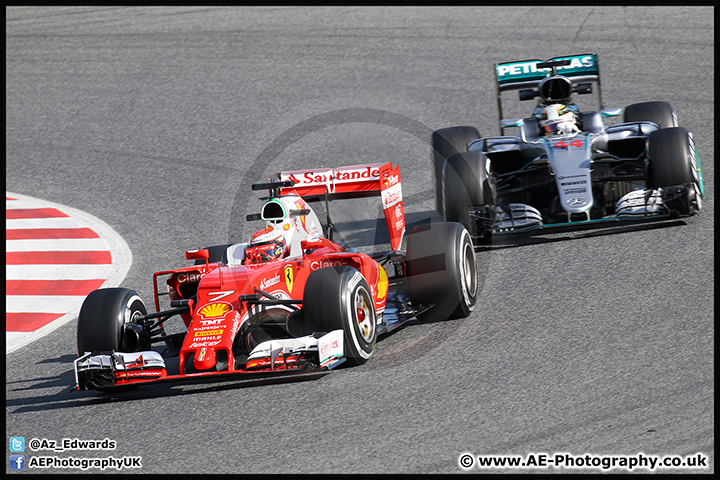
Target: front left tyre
(338, 298)
(673, 166)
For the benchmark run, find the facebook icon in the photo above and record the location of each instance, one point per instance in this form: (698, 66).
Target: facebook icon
(17, 462)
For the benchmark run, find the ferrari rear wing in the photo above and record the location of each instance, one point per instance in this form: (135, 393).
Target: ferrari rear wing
(343, 182)
(525, 75)
(348, 182)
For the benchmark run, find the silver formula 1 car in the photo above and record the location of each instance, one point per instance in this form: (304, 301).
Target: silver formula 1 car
(565, 167)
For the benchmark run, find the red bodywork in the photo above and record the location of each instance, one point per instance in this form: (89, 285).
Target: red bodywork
(218, 314)
(219, 311)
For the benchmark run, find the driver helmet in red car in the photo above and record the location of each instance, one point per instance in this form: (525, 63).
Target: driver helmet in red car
(266, 245)
(289, 221)
(558, 119)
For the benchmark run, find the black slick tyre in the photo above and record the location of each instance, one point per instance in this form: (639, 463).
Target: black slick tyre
(445, 142)
(673, 166)
(661, 113)
(102, 319)
(441, 270)
(669, 154)
(339, 298)
(465, 184)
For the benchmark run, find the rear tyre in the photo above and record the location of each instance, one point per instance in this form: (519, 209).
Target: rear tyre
(657, 112)
(445, 142)
(441, 270)
(103, 318)
(339, 298)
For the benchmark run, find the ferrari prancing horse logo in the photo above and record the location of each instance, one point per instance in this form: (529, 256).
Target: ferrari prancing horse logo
(289, 277)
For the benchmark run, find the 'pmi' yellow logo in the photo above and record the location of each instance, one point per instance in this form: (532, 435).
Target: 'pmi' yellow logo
(215, 309)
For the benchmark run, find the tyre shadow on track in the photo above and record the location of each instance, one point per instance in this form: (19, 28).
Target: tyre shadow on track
(398, 347)
(61, 394)
(67, 398)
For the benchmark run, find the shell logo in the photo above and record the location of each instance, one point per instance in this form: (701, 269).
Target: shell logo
(215, 309)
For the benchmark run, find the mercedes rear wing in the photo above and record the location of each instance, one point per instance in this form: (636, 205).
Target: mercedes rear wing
(347, 182)
(525, 75)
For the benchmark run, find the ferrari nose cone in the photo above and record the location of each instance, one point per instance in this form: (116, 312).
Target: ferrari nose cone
(205, 358)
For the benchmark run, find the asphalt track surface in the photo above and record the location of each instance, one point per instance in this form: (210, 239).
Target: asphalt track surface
(156, 121)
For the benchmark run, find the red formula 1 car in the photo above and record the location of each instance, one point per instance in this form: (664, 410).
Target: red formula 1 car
(290, 301)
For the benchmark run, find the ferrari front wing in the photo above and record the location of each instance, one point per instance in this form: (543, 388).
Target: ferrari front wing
(103, 370)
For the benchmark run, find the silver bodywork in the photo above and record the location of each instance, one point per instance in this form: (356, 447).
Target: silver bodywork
(570, 161)
(593, 173)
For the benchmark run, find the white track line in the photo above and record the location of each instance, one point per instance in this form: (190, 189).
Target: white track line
(57, 245)
(68, 305)
(55, 272)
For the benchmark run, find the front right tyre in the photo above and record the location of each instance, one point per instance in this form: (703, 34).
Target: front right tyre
(103, 320)
(445, 142)
(466, 184)
(661, 113)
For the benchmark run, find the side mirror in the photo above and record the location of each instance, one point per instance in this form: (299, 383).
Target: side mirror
(196, 254)
(512, 122)
(611, 112)
(312, 243)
